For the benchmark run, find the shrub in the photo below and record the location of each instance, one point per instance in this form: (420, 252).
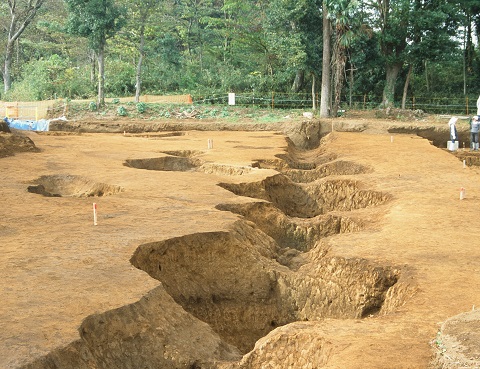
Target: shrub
(122, 111)
(141, 107)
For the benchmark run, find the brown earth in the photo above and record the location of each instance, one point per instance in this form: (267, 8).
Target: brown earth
(270, 248)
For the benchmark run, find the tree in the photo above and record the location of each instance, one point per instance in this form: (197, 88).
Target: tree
(404, 27)
(325, 94)
(140, 14)
(392, 20)
(470, 9)
(97, 20)
(343, 13)
(21, 15)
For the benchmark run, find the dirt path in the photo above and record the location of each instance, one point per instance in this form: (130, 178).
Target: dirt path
(57, 268)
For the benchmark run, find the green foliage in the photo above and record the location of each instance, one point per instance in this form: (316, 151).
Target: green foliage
(122, 111)
(141, 107)
(247, 46)
(51, 78)
(92, 106)
(119, 78)
(97, 20)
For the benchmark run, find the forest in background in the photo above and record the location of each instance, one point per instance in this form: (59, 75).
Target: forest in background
(345, 50)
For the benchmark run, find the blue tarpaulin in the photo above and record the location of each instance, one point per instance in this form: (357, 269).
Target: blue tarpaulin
(28, 125)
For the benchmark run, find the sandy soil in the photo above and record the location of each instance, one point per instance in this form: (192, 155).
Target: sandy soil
(57, 267)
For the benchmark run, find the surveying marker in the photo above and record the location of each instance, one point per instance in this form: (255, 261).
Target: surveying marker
(94, 213)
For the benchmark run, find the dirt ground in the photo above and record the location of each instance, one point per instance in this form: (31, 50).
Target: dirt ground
(58, 268)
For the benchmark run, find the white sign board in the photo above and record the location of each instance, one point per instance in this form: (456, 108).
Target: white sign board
(231, 98)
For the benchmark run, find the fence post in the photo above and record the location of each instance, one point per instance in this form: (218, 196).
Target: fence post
(413, 102)
(466, 101)
(364, 100)
(65, 108)
(273, 100)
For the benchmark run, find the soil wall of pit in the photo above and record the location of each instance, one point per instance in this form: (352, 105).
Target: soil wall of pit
(221, 292)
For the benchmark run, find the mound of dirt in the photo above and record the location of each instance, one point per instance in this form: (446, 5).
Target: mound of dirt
(4, 127)
(456, 345)
(13, 143)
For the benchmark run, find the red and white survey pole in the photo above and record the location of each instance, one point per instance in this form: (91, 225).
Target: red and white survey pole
(94, 213)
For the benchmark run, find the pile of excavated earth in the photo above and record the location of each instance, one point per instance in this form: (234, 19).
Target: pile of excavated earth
(347, 243)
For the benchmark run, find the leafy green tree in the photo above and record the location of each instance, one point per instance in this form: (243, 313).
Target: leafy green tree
(21, 14)
(405, 26)
(392, 19)
(347, 28)
(97, 20)
(144, 20)
(50, 78)
(470, 21)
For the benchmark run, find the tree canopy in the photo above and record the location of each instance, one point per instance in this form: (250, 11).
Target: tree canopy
(384, 49)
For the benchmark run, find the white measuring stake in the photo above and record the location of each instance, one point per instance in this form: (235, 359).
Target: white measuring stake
(464, 164)
(94, 214)
(462, 193)
(210, 143)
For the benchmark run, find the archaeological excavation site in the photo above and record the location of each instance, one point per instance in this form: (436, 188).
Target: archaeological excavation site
(299, 245)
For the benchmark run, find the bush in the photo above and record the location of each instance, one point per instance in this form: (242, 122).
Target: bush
(122, 111)
(119, 78)
(141, 107)
(51, 78)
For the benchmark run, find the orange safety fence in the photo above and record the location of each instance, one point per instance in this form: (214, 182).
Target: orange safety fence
(32, 110)
(166, 99)
(36, 110)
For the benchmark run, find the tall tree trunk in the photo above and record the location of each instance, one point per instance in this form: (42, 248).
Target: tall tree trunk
(93, 69)
(299, 80)
(350, 92)
(405, 87)
(325, 91)
(138, 85)
(465, 63)
(427, 81)
(339, 72)
(389, 89)
(7, 67)
(314, 100)
(101, 74)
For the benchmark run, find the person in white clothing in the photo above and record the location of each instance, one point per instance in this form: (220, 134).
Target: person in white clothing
(474, 130)
(452, 145)
(453, 128)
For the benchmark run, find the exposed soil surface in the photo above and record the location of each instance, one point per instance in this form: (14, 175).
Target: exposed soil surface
(299, 244)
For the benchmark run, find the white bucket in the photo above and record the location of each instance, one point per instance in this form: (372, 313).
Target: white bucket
(452, 146)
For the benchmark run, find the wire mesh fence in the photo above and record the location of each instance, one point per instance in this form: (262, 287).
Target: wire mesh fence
(273, 100)
(430, 105)
(466, 105)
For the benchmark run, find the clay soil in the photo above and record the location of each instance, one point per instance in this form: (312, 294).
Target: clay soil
(62, 277)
